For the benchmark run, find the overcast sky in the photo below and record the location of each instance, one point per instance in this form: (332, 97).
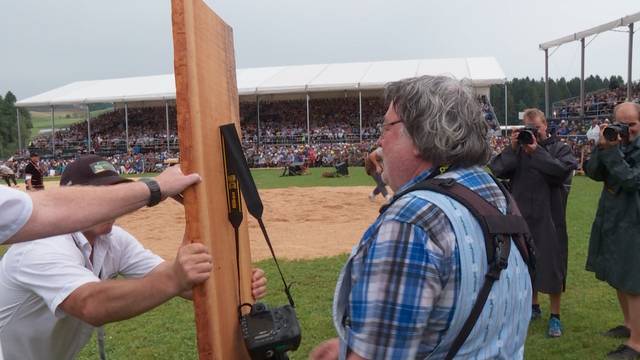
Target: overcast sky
(46, 44)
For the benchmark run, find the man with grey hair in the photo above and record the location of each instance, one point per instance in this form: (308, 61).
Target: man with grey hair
(614, 246)
(405, 291)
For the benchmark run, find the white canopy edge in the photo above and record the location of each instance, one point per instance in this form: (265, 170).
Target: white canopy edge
(624, 21)
(296, 79)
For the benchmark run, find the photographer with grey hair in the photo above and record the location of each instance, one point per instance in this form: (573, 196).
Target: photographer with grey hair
(404, 292)
(613, 246)
(537, 166)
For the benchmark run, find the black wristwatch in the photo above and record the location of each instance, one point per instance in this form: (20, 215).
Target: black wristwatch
(156, 194)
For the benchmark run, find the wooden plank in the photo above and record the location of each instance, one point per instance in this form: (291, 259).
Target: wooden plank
(207, 97)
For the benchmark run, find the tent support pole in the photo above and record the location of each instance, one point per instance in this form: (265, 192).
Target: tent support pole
(258, 111)
(629, 62)
(126, 127)
(360, 112)
(308, 127)
(546, 83)
(166, 115)
(582, 79)
(89, 148)
(19, 131)
(506, 103)
(53, 133)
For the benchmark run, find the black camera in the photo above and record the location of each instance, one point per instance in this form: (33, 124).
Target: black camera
(526, 135)
(611, 132)
(270, 333)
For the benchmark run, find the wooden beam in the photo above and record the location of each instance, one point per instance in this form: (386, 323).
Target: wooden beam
(207, 97)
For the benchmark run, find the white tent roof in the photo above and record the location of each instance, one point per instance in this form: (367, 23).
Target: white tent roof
(296, 79)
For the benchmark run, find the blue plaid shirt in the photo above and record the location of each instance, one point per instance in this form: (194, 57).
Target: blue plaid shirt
(405, 274)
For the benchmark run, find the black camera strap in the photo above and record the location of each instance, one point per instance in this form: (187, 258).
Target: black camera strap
(287, 287)
(234, 205)
(239, 181)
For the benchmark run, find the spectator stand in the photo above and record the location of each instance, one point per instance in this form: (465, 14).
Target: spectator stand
(623, 22)
(271, 84)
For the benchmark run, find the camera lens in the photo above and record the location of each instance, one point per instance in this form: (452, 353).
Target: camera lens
(610, 133)
(525, 137)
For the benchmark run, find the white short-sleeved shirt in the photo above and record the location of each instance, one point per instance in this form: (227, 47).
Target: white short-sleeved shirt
(37, 276)
(15, 211)
(593, 133)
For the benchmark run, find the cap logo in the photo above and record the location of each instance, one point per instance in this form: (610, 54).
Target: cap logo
(102, 166)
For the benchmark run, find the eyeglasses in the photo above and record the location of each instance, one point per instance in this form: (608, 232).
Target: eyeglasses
(385, 127)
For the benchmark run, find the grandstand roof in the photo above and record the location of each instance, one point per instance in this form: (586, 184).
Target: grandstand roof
(624, 21)
(296, 79)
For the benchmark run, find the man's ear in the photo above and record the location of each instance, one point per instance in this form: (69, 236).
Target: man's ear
(416, 152)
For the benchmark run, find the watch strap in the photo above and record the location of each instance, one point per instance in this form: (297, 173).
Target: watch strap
(154, 188)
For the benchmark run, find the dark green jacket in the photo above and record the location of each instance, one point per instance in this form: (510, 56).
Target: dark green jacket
(614, 246)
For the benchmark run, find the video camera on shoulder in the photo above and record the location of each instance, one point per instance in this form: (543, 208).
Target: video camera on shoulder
(526, 135)
(270, 333)
(611, 132)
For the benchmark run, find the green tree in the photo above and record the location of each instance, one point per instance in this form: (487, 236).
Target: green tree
(9, 125)
(527, 92)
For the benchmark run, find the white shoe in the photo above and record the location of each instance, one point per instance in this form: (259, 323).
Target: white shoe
(372, 198)
(388, 197)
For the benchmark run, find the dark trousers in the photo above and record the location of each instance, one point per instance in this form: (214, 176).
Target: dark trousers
(9, 178)
(381, 186)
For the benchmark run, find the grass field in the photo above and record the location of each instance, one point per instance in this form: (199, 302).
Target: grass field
(272, 179)
(589, 306)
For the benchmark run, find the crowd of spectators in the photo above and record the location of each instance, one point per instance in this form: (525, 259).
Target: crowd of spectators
(331, 121)
(309, 155)
(277, 155)
(147, 130)
(258, 156)
(597, 103)
(282, 139)
(126, 164)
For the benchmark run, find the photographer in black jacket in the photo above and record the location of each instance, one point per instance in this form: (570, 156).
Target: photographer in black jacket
(537, 166)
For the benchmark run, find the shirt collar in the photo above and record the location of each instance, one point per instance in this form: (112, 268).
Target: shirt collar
(82, 243)
(420, 177)
(99, 251)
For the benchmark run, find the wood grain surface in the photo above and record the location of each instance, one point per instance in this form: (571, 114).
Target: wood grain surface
(207, 97)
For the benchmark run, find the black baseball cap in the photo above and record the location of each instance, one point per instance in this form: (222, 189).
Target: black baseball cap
(91, 170)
